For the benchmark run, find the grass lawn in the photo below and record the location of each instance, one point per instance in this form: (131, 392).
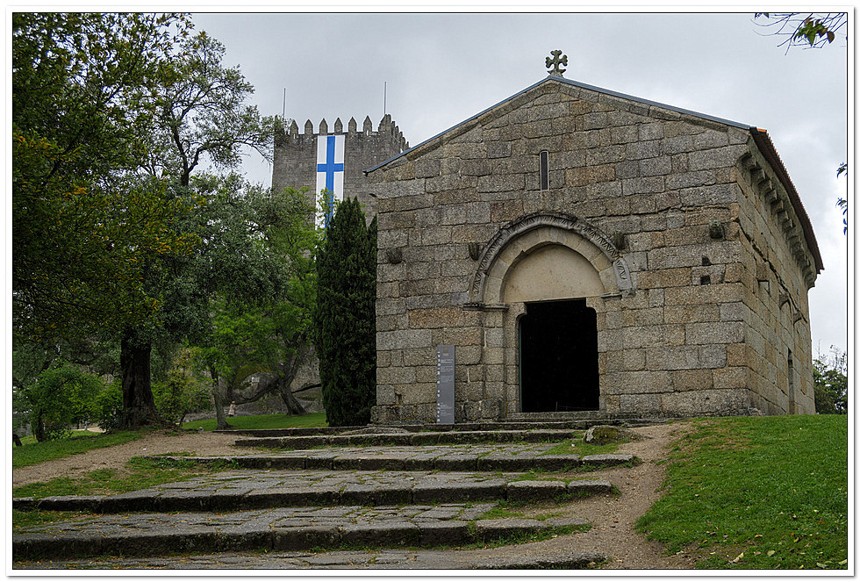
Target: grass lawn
(263, 421)
(81, 441)
(758, 493)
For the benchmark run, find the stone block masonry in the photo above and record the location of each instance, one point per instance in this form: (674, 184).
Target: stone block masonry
(679, 232)
(295, 155)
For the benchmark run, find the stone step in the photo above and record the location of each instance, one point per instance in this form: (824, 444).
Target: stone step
(411, 459)
(159, 534)
(363, 559)
(419, 438)
(244, 490)
(505, 425)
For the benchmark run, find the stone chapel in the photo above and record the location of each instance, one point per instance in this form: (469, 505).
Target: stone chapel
(593, 254)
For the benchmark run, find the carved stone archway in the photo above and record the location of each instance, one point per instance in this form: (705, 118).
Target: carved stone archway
(590, 268)
(534, 231)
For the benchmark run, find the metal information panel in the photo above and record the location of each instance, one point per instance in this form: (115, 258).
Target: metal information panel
(445, 357)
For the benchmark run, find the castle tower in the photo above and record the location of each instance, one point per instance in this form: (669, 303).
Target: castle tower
(334, 159)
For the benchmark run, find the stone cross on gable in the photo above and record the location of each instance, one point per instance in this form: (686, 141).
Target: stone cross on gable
(556, 62)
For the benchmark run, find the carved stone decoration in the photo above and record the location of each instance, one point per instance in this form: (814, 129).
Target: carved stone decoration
(556, 62)
(716, 230)
(474, 250)
(394, 256)
(530, 222)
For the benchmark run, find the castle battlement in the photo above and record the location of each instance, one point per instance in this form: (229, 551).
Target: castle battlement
(386, 130)
(296, 154)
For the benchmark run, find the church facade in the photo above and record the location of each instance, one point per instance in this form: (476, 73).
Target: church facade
(585, 253)
(590, 252)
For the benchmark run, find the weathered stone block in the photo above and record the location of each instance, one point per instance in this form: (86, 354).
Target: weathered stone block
(718, 332)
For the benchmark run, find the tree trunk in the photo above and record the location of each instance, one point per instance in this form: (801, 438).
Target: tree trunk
(293, 405)
(39, 428)
(138, 404)
(218, 398)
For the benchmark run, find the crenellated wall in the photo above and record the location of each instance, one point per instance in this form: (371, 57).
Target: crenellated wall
(295, 155)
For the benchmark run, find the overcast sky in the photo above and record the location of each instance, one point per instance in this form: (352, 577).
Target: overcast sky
(441, 69)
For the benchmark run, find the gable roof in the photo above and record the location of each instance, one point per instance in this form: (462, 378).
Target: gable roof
(759, 136)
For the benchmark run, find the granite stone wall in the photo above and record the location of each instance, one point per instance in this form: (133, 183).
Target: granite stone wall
(697, 280)
(295, 154)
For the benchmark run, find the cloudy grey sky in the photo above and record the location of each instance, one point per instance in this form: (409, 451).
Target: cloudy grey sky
(442, 68)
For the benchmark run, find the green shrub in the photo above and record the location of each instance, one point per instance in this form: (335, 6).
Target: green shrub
(109, 405)
(178, 395)
(345, 317)
(61, 396)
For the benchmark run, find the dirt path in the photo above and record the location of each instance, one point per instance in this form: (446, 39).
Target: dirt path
(613, 517)
(154, 443)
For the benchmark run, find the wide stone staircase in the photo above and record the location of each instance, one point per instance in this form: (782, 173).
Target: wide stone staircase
(369, 497)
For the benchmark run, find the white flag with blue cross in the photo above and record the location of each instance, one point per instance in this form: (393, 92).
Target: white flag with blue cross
(330, 167)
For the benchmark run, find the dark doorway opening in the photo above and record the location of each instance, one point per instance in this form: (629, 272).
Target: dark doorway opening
(558, 357)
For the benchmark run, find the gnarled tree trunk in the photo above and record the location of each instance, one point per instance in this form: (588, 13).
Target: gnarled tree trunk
(138, 404)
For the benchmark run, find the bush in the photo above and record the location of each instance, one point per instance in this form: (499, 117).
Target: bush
(109, 405)
(178, 395)
(830, 377)
(61, 396)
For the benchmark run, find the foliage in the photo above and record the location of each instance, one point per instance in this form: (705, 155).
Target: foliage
(109, 407)
(61, 396)
(83, 217)
(181, 392)
(830, 377)
(758, 492)
(113, 233)
(263, 421)
(79, 442)
(345, 318)
(810, 29)
(262, 326)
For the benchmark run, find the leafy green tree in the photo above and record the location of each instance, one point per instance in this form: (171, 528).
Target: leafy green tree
(61, 396)
(114, 234)
(265, 334)
(182, 391)
(345, 318)
(830, 378)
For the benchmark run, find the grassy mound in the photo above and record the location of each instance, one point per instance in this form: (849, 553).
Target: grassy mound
(758, 492)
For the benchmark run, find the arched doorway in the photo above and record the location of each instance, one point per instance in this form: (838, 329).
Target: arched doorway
(544, 283)
(558, 357)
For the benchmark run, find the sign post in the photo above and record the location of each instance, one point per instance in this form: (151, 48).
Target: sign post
(445, 361)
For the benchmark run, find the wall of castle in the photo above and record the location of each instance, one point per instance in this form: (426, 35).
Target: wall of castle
(660, 186)
(295, 155)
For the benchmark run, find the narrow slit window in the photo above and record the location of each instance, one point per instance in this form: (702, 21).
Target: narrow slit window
(544, 170)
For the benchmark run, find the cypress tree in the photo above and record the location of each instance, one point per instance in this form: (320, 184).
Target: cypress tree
(345, 317)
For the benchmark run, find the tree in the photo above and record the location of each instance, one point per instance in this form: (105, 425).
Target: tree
(113, 231)
(265, 334)
(813, 31)
(345, 318)
(805, 29)
(61, 396)
(830, 378)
